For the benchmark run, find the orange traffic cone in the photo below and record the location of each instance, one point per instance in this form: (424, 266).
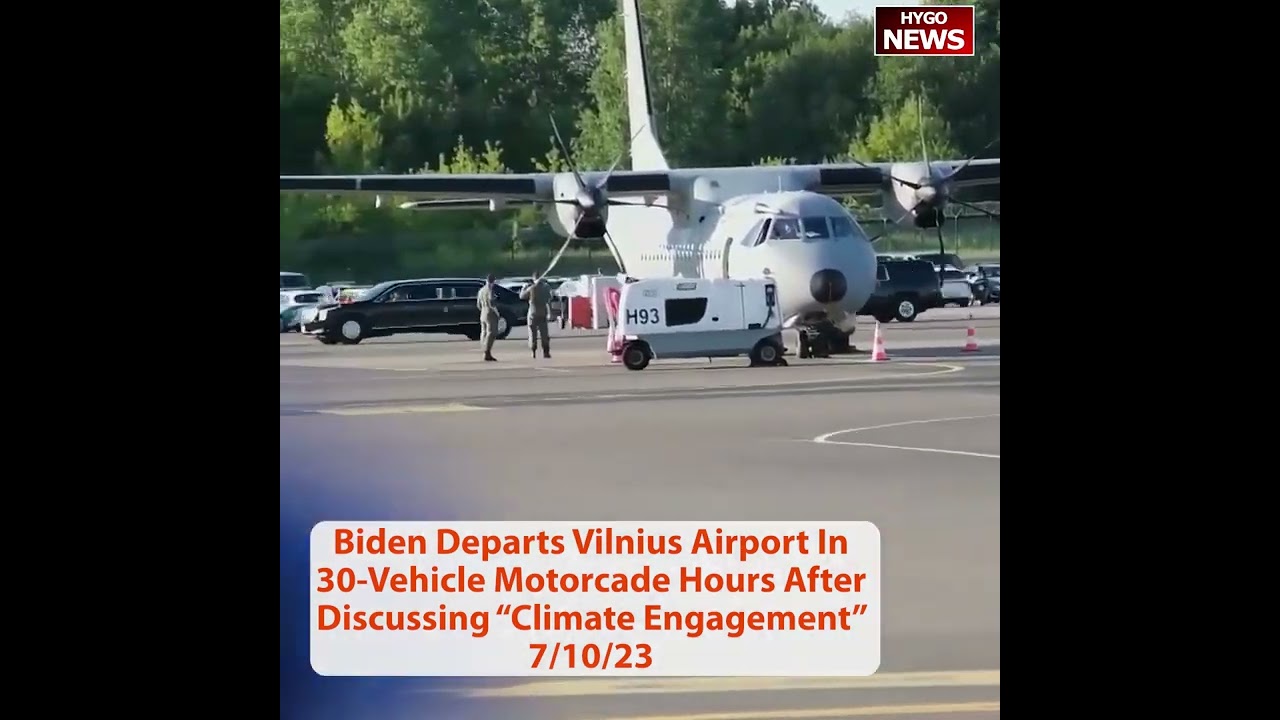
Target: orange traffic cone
(878, 354)
(971, 341)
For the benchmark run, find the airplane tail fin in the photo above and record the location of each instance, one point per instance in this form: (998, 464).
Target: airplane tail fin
(646, 154)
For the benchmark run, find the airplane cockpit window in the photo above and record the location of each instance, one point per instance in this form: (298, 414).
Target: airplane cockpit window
(815, 228)
(841, 227)
(757, 235)
(785, 229)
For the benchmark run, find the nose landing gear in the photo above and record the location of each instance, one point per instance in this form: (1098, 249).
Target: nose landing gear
(823, 340)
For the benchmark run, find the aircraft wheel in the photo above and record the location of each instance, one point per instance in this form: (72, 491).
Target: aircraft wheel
(819, 347)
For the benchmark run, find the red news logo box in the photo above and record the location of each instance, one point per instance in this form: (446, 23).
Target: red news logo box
(944, 30)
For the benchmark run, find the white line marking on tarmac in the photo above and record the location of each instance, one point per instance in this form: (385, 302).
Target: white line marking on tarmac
(825, 439)
(939, 451)
(846, 712)
(399, 409)
(675, 685)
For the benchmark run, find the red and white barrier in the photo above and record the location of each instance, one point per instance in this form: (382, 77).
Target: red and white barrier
(613, 342)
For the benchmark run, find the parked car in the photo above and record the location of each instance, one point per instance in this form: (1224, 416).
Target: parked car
(294, 281)
(904, 289)
(984, 281)
(351, 292)
(427, 305)
(941, 259)
(293, 303)
(955, 287)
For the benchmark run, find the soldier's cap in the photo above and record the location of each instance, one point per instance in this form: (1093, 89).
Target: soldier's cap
(490, 277)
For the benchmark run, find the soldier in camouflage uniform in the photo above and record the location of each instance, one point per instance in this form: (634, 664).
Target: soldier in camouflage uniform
(538, 293)
(488, 317)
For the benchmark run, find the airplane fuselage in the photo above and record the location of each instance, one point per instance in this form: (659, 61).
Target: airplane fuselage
(820, 257)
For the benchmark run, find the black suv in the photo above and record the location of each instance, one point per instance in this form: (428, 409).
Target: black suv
(431, 305)
(904, 289)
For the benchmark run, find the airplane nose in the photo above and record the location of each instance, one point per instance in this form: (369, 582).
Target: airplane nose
(828, 286)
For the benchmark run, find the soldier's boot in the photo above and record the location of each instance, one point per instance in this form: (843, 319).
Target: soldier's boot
(534, 353)
(490, 358)
(546, 353)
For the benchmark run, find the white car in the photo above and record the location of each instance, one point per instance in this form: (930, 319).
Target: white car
(295, 302)
(955, 287)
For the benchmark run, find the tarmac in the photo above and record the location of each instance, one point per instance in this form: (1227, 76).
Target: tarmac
(912, 444)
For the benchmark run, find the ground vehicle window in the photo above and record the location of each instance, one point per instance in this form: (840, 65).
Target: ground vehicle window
(686, 311)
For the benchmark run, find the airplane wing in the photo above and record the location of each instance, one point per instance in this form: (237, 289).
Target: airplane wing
(977, 173)
(447, 190)
(433, 186)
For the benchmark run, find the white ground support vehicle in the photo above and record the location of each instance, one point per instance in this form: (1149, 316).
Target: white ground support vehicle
(684, 318)
(955, 287)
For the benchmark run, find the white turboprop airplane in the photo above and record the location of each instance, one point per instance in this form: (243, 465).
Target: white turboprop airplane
(777, 221)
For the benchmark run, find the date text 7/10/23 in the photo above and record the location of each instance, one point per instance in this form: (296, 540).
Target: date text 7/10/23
(591, 656)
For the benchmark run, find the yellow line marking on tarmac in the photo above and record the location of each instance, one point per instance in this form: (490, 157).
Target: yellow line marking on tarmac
(399, 409)
(816, 713)
(665, 686)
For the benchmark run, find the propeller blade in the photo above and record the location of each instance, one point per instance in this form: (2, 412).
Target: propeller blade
(889, 228)
(613, 250)
(966, 163)
(924, 149)
(558, 255)
(971, 206)
(617, 160)
(568, 156)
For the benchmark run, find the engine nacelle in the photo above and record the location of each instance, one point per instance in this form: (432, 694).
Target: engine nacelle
(565, 218)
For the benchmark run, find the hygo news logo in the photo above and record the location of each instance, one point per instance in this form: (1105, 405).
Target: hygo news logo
(945, 30)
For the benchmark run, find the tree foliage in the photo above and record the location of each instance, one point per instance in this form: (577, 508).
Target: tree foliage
(443, 86)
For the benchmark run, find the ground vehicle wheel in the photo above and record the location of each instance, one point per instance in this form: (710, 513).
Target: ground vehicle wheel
(635, 356)
(905, 309)
(765, 352)
(352, 331)
(884, 318)
(963, 303)
(326, 339)
(473, 333)
(504, 326)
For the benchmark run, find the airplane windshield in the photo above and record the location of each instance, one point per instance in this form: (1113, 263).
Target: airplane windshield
(841, 227)
(815, 228)
(785, 229)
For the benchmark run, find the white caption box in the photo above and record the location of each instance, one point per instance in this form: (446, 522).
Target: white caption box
(827, 624)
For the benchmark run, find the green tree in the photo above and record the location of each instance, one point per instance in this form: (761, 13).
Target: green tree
(353, 138)
(679, 35)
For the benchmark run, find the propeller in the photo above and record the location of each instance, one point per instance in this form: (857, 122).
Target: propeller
(591, 200)
(935, 192)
